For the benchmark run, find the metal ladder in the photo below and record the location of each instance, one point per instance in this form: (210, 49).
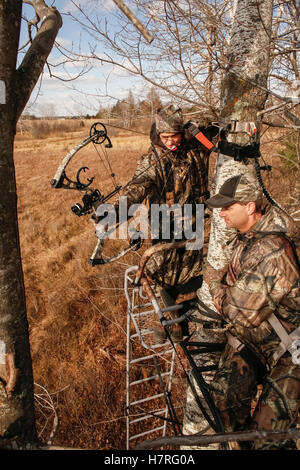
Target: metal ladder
(149, 369)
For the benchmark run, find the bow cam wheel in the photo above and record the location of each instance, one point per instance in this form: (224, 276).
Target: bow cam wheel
(99, 130)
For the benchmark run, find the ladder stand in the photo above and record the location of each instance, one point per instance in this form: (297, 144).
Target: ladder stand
(150, 366)
(149, 369)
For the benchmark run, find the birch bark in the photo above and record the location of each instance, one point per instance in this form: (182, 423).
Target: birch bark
(248, 58)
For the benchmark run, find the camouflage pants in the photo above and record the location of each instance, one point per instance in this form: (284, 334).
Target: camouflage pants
(235, 387)
(174, 267)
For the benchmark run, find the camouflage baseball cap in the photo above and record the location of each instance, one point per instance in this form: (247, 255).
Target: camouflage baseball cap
(169, 119)
(240, 188)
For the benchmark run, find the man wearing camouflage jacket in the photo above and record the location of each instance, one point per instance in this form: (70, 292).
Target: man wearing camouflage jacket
(174, 171)
(258, 296)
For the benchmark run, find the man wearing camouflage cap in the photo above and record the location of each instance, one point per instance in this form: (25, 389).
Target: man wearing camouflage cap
(258, 298)
(174, 171)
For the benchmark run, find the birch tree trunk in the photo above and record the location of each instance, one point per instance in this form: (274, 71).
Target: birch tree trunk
(16, 380)
(248, 58)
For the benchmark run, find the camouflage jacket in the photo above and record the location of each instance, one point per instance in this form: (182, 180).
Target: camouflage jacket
(180, 177)
(262, 278)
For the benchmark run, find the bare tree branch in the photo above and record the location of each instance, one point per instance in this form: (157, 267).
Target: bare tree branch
(33, 63)
(197, 440)
(134, 20)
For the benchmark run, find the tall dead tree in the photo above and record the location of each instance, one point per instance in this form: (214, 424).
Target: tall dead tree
(241, 100)
(16, 381)
(243, 96)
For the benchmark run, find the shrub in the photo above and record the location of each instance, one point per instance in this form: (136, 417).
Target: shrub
(43, 128)
(288, 153)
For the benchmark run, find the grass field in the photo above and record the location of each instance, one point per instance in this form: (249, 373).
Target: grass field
(76, 313)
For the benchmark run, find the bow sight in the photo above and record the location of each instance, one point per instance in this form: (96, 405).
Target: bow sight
(89, 200)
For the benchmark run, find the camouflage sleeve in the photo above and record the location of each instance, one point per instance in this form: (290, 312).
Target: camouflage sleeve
(259, 288)
(218, 293)
(144, 179)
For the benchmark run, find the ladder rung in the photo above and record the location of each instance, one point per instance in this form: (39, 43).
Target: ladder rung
(147, 416)
(143, 332)
(139, 359)
(146, 399)
(146, 432)
(155, 346)
(142, 314)
(152, 377)
(148, 304)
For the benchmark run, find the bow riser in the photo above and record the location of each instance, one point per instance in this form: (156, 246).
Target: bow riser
(60, 179)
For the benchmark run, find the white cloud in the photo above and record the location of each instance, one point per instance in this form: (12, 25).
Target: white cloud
(63, 41)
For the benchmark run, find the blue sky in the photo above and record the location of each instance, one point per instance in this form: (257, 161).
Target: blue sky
(52, 95)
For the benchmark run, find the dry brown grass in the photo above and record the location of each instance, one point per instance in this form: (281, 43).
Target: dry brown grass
(76, 313)
(77, 320)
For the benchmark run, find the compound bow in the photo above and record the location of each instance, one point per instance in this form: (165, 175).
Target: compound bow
(92, 198)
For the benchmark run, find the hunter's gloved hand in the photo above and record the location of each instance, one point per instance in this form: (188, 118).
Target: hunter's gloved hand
(213, 278)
